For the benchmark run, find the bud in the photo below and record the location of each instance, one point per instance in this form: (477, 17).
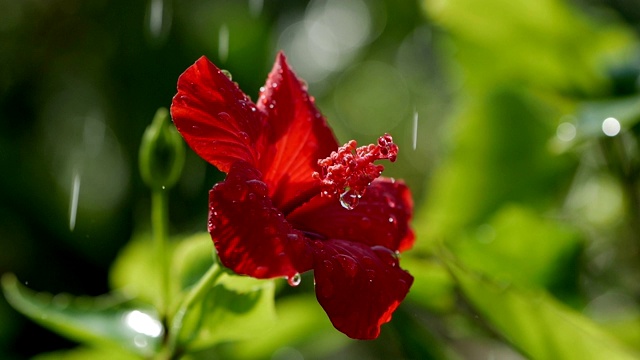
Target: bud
(161, 153)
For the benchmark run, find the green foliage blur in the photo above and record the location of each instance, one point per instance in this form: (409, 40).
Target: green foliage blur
(518, 124)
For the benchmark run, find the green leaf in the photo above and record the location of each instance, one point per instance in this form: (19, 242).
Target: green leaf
(536, 323)
(501, 156)
(302, 328)
(432, 287)
(192, 257)
(517, 245)
(236, 307)
(107, 321)
(545, 43)
(133, 271)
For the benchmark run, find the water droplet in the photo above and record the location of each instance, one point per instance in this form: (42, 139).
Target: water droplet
(365, 222)
(225, 117)
(350, 198)
(274, 85)
(348, 264)
(294, 280)
(293, 237)
(260, 272)
(328, 265)
(258, 187)
(227, 73)
(371, 274)
(244, 137)
(392, 219)
(387, 256)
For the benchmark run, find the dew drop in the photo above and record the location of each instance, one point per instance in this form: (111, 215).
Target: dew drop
(392, 219)
(348, 264)
(244, 136)
(294, 280)
(328, 265)
(387, 256)
(258, 187)
(223, 116)
(365, 222)
(226, 73)
(260, 271)
(350, 198)
(371, 274)
(293, 237)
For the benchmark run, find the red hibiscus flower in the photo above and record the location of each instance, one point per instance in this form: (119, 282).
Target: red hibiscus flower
(294, 201)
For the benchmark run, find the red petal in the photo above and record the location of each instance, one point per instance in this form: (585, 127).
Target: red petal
(215, 117)
(381, 217)
(359, 287)
(251, 236)
(299, 135)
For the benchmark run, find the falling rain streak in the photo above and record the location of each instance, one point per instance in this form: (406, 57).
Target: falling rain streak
(415, 130)
(223, 43)
(255, 7)
(158, 20)
(73, 203)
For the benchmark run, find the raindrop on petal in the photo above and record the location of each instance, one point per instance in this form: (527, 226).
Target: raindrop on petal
(328, 265)
(365, 222)
(349, 199)
(386, 255)
(348, 264)
(294, 280)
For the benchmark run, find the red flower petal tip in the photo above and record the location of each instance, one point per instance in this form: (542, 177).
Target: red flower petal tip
(348, 171)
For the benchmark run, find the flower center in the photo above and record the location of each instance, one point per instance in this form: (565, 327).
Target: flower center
(348, 171)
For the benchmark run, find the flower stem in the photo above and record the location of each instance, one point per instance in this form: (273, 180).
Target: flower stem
(195, 294)
(160, 231)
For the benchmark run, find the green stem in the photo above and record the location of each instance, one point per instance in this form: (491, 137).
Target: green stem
(160, 231)
(195, 294)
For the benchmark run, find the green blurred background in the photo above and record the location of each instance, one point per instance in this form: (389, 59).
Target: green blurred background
(498, 107)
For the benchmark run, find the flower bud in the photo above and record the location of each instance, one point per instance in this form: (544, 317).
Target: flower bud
(162, 154)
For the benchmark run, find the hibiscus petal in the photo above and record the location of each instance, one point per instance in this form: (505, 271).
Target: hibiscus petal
(358, 286)
(217, 120)
(251, 236)
(381, 217)
(298, 135)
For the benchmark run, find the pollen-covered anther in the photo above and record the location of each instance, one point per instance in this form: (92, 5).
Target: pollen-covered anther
(351, 168)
